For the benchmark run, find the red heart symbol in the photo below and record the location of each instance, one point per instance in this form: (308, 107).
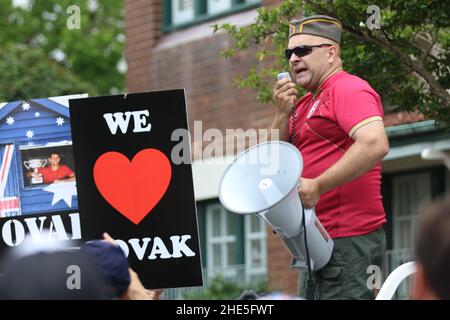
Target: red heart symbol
(133, 188)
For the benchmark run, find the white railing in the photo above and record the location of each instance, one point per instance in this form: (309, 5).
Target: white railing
(395, 279)
(394, 259)
(238, 274)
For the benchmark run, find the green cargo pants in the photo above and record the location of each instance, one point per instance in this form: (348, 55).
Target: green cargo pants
(346, 276)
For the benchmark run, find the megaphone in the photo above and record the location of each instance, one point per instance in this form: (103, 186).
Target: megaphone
(263, 180)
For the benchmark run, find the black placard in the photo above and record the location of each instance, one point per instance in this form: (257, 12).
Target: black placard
(129, 186)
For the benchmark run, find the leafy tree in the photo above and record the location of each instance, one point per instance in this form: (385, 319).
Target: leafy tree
(27, 72)
(407, 60)
(56, 59)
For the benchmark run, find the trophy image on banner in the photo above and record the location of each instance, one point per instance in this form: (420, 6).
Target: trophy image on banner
(34, 165)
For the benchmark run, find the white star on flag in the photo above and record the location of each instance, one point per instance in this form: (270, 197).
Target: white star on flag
(10, 120)
(62, 191)
(26, 106)
(59, 121)
(37, 114)
(29, 134)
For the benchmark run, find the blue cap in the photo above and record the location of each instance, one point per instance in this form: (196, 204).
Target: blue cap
(112, 262)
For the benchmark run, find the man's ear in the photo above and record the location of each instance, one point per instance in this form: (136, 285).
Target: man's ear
(332, 54)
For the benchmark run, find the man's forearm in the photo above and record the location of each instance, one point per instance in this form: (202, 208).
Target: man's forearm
(359, 158)
(281, 124)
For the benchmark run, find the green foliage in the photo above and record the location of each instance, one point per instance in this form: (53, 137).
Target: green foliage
(90, 54)
(27, 72)
(222, 289)
(406, 73)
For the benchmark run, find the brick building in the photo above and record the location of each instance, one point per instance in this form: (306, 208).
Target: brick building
(169, 45)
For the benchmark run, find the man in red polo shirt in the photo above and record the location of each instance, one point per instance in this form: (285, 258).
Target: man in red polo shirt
(56, 172)
(338, 128)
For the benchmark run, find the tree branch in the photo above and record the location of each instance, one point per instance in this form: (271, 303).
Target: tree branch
(427, 51)
(404, 58)
(386, 35)
(417, 67)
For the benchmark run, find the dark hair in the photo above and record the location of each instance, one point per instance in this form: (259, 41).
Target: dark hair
(433, 246)
(60, 155)
(112, 263)
(57, 153)
(248, 295)
(45, 276)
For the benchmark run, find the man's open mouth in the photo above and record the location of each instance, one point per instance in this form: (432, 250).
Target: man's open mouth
(300, 70)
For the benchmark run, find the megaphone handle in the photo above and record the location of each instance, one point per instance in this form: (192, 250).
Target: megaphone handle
(262, 215)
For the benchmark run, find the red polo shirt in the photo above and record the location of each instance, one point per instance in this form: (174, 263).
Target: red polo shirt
(323, 128)
(50, 175)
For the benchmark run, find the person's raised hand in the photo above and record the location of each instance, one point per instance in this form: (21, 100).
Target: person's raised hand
(136, 290)
(284, 95)
(109, 239)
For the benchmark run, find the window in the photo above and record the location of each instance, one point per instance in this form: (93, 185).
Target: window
(235, 244)
(185, 12)
(182, 11)
(218, 6)
(221, 241)
(39, 163)
(255, 246)
(410, 191)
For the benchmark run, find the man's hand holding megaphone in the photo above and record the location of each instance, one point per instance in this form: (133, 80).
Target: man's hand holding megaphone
(309, 192)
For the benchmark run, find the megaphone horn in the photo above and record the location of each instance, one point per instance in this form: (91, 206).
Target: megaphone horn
(247, 187)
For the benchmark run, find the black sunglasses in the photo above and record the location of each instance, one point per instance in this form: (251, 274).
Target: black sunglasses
(304, 50)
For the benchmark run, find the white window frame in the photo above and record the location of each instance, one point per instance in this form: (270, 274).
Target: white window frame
(261, 235)
(421, 182)
(213, 8)
(180, 16)
(223, 240)
(218, 6)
